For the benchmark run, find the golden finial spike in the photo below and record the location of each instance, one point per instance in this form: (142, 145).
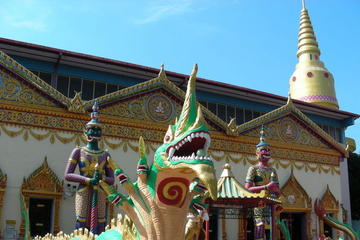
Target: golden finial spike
(162, 71)
(289, 98)
(307, 41)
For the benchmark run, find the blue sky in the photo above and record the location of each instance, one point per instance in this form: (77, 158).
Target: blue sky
(250, 43)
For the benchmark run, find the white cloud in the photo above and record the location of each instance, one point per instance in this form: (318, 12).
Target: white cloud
(26, 14)
(32, 25)
(160, 9)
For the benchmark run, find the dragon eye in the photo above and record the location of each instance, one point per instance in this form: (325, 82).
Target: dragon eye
(167, 138)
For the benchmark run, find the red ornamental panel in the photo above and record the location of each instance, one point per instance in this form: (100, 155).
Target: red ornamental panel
(172, 191)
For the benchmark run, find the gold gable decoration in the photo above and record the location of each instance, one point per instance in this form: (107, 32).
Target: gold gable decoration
(294, 197)
(9, 64)
(328, 202)
(43, 183)
(153, 107)
(288, 130)
(15, 91)
(289, 115)
(157, 99)
(44, 180)
(76, 104)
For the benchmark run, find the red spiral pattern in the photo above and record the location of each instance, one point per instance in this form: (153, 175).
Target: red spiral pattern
(172, 191)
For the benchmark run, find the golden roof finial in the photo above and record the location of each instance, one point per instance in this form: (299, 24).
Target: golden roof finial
(289, 101)
(307, 41)
(162, 71)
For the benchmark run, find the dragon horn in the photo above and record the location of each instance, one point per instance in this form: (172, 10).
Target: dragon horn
(188, 113)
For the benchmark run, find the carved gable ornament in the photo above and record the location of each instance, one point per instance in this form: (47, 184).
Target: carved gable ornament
(43, 183)
(157, 106)
(294, 197)
(157, 100)
(328, 202)
(288, 125)
(289, 129)
(20, 85)
(43, 180)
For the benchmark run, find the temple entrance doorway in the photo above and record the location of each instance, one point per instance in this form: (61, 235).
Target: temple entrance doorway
(296, 223)
(40, 215)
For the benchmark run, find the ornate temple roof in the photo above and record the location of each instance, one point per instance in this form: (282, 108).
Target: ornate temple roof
(49, 54)
(311, 82)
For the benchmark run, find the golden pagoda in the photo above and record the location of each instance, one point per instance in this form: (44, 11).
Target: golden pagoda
(311, 81)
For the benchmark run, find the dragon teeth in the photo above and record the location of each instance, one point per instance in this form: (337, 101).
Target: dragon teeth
(189, 138)
(171, 152)
(192, 157)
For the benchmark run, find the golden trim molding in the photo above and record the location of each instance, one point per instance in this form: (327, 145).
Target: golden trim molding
(43, 183)
(282, 158)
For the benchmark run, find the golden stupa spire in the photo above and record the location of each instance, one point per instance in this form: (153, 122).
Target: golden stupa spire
(311, 82)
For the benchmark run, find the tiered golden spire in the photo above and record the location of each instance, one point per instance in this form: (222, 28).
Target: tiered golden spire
(311, 82)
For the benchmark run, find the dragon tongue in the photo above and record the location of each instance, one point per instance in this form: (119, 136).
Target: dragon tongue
(206, 174)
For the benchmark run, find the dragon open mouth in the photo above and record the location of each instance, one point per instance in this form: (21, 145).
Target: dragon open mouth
(192, 147)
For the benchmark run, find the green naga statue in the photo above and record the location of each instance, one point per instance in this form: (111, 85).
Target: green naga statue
(174, 186)
(165, 192)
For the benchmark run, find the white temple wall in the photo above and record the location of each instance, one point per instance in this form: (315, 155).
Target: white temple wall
(20, 158)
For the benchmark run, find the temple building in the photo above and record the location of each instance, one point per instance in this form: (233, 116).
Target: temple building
(46, 95)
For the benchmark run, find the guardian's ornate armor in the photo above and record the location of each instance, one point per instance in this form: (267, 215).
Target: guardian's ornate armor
(262, 177)
(86, 160)
(94, 165)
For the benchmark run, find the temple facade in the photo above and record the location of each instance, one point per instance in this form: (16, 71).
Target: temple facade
(46, 95)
